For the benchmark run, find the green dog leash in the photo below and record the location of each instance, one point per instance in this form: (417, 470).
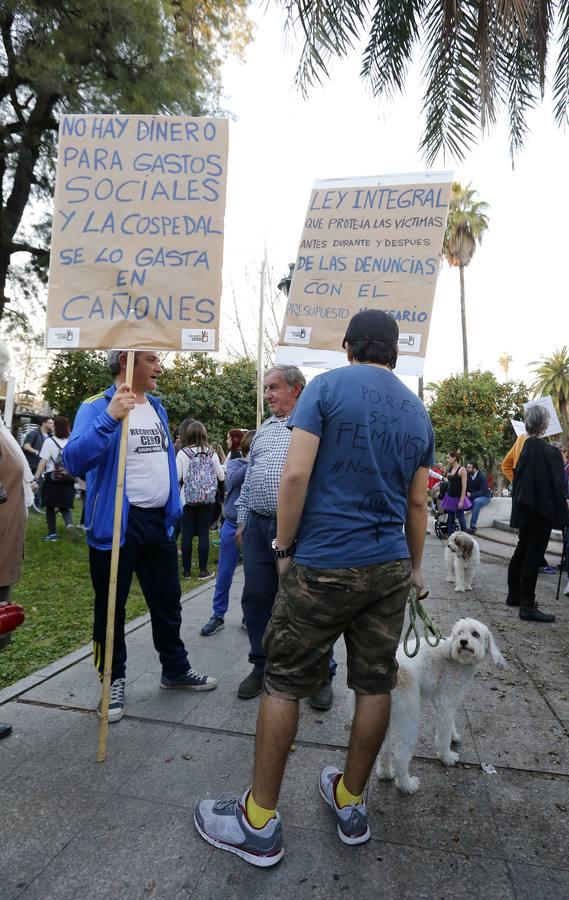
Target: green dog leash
(416, 608)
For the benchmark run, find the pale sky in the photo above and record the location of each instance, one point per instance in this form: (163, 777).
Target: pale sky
(516, 286)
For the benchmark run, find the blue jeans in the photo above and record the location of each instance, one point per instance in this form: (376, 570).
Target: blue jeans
(261, 585)
(477, 504)
(451, 521)
(228, 558)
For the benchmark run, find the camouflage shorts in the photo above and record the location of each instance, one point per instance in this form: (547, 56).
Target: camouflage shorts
(313, 607)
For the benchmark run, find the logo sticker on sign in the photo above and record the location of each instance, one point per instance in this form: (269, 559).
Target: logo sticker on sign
(198, 339)
(409, 343)
(62, 337)
(297, 334)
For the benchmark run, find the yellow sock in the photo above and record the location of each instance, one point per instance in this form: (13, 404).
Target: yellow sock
(258, 816)
(343, 796)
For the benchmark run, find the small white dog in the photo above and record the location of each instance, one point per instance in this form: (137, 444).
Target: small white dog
(441, 675)
(462, 557)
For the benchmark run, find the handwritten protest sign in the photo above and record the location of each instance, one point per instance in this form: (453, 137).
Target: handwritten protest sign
(366, 243)
(137, 241)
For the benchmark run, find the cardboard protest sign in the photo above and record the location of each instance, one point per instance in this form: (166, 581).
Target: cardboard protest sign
(137, 240)
(554, 426)
(366, 243)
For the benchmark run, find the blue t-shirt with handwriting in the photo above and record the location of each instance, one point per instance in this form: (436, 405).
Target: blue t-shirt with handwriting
(374, 435)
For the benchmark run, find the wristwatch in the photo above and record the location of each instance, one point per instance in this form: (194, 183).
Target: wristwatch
(282, 554)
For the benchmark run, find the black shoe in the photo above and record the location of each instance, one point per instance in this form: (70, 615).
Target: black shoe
(471, 530)
(212, 625)
(533, 614)
(5, 730)
(251, 686)
(323, 698)
(512, 600)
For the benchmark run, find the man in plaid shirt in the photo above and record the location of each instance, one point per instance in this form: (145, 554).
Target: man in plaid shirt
(257, 523)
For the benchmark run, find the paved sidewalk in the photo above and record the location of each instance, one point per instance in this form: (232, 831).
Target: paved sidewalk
(71, 828)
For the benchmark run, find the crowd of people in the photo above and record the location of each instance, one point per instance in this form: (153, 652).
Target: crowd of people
(325, 554)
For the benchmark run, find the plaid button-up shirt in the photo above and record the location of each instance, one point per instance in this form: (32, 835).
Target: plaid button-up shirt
(260, 489)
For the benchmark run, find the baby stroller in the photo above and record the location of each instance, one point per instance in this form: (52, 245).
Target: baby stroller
(440, 516)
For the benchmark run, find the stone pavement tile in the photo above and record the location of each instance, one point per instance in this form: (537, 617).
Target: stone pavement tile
(317, 865)
(552, 666)
(192, 765)
(13, 690)
(531, 813)
(536, 743)
(504, 698)
(538, 882)
(558, 699)
(222, 708)
(35, 825)
(77, 688)
(146, 699)
(448, 813)
(70, 768)
(129, 849)
(35, 728)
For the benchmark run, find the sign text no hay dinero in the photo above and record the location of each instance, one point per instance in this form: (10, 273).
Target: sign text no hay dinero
(137, 243)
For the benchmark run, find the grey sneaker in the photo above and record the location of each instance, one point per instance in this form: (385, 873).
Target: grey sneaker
(116, 700)
(191, 681)
(223, 823)
(352, 822)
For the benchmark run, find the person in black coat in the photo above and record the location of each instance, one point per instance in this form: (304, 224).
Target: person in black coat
(538, 505)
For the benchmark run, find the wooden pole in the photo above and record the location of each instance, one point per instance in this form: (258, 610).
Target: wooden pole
(260, 346)
(111, 604)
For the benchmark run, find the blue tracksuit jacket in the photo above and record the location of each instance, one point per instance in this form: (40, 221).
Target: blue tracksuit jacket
(92, 453)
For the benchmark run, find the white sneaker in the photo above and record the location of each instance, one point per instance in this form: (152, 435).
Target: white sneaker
(566, 591)
(116, 700)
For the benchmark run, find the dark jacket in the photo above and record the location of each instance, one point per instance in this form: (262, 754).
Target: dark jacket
(477, 485)
(539, 485)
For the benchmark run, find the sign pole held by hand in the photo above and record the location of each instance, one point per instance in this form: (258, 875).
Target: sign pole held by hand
(111, 604)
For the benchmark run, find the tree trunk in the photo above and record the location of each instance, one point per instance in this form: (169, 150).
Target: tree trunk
(463, 320)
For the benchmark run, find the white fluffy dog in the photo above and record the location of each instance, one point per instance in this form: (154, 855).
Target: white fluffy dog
(439, 674)
(462, 556)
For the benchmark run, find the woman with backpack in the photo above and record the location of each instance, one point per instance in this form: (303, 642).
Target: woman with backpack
(199, 470)
(59, 484)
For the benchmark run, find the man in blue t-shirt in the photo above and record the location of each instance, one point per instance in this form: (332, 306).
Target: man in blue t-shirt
(351, 525)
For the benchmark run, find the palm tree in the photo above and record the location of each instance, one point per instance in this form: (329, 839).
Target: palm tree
(466, 224)
(477, 55)
(552, 380)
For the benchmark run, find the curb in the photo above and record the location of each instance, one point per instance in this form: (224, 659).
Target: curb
(30, 681)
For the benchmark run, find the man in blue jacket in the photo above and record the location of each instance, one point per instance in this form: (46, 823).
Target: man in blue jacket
(478, 491)
(151, 507)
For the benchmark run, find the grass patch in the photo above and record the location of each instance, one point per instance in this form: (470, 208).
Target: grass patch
(55, 590)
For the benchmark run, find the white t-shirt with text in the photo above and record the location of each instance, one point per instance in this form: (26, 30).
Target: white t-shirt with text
(147, 472)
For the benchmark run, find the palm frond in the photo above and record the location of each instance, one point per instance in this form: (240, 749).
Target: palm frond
(330, 28)
(561, 77)
(451, 100)
(541, 15)
(514, 11)
(394, 30)
(519, 74)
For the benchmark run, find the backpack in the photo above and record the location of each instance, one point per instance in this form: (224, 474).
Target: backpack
(200, 481)
(59, 472)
